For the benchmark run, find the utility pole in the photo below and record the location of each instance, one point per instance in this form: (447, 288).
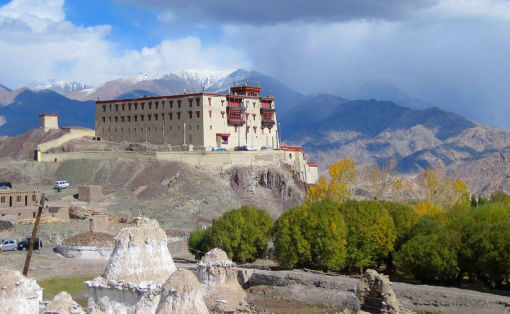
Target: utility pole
(34, 234)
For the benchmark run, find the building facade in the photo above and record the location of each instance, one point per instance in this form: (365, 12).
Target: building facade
(18, 204)
(48, 121)
(207, 120)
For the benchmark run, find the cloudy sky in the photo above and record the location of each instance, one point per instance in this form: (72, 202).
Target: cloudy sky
(454, 54)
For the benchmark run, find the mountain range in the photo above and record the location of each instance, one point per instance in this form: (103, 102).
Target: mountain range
(329, 127)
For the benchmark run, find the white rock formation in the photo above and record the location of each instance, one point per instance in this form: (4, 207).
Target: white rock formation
(218, 275)
(182, 293)
(139, 265)
(63, 303)
(18, 294)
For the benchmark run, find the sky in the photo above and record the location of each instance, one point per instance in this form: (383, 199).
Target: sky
(453, 54)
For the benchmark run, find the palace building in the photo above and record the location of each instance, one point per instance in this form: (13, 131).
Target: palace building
(203, 120)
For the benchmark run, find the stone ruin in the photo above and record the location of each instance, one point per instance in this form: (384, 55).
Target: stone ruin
(218, 275)
(375, 295)
(63, 303)
(18, 294)
(182, 293)
(138, 267)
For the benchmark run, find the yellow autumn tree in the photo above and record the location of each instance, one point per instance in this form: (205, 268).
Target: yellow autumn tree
(341, 186)
(441, 190)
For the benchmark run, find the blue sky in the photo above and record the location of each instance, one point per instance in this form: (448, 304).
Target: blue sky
(448, 53)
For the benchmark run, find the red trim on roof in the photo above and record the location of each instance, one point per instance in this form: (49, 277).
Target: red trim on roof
(312, 164)
(292, 148)
(223, 134)
(48, 115)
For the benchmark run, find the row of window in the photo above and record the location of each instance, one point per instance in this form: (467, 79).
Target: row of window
(170, 128)
(155, 104)
(266, 116)
(3, 199)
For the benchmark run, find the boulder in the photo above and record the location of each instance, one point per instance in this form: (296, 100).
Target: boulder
(375, 295)
(218, 275)
(18, 294)
(182, 293)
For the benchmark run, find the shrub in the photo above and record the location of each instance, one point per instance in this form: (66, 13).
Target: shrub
(312, 235)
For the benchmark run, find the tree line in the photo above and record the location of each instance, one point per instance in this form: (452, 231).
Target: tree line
(444, 237)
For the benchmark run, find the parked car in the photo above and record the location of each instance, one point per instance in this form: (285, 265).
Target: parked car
(238, 148)
(8, 245)
(25, 244)
(219, 149)
(266, 148)
(5, 185)
(60, 185)
(247, 148)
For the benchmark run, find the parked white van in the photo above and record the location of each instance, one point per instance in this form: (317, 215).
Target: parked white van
(60, 184)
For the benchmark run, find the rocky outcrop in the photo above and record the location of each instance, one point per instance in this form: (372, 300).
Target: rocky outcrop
(63, 303)
(18, 294)
(218, 275)
(375, 295)
(182, 293)
(135, 274)
(257, 185)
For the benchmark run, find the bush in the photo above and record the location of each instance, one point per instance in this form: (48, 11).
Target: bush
(404, 218)
(311, 236)
(370, 232)
(199, 242)
(243, 233)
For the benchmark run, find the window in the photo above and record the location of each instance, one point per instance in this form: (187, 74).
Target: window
(171, 104)
(116, 119)
(222, 101)
(190, 114)
(178, 116)
(156, 117)
(170, 115)
(179, 103)
(235, 128)
(247, 129)
(141, 117)
(253, 104)
(198, 114)
(253, 116)
(143, 105)
(149, 116)
(122, 119)
(156, 103)
(254, 129)
(136, 106)
(110, 119)
(150, 105)
(104, 119)
(104, 108)
(209, 101)
(197, 100)
(2, 200)
(136, 117)
(123, 107)
(190, 100)
(116, 107)
(223, 114)
(129, 118)
(210, 127)
(18, 198)
(210, 113)
(129, 106)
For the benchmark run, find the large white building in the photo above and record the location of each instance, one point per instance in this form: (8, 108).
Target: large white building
(203, 120)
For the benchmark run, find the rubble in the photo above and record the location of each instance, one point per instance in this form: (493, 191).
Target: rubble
(63, 303)
(182, 293)
(18, 294)
(375, 295)
(218, 275)
(138, 267)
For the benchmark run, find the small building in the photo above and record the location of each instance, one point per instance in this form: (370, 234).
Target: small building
(18, 204)
(87, 193)
(48, 121)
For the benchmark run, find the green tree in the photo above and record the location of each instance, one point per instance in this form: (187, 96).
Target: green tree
(432, 258)
(370, 232)
(243, 233)
(500, 197)
(199, 242)
(313, 235)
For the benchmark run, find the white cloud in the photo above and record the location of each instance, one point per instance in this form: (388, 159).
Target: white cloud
(166, 16)
(37, 43)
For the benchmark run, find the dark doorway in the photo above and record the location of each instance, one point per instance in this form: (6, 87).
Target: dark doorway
(26, 200)
(10, 201)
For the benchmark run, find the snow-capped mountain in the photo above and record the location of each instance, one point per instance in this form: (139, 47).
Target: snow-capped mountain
(61, 87)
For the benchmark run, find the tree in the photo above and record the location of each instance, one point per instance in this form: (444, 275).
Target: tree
(404, 218)
(441, 190)
(339, 188)
(432, 258)
(243, 233)
(199, 242)
(371, 232)
(382, 180)
(313, 235)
